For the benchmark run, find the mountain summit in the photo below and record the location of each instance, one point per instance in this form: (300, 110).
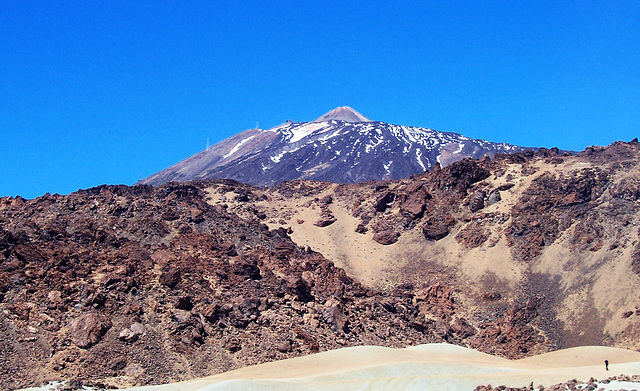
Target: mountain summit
(341, 146)
(344, 113)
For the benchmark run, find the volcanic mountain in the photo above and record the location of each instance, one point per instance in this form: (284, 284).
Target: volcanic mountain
(341, 146)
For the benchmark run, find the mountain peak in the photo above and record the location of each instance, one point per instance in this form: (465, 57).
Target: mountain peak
(344, 113)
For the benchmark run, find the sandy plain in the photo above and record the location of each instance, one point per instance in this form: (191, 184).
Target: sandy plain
(422, 367)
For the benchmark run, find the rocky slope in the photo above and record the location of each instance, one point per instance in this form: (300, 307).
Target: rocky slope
(514, 255)
(341, 146)
(559, 232)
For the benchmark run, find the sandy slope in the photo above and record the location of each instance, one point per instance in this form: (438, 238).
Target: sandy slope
(432, 366)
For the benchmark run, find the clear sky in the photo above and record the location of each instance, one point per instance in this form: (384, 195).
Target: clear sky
(95, 92)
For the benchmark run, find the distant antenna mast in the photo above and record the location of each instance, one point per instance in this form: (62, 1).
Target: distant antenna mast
(207, 144)
(257, 125)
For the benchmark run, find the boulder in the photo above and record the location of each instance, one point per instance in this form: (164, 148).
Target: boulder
(170, 278)
(386, 237)
(384, 201)
(494, 197)
(326, 200)
(325, 220)
(334, 316)
(477, 201)
(361, 228)
(435, 232)
(197, 216)
(87, 329)
(131, 333)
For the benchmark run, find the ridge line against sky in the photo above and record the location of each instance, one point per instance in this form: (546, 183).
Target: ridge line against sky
(108, 92)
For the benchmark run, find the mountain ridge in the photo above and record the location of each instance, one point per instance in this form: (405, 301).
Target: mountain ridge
(341, 146)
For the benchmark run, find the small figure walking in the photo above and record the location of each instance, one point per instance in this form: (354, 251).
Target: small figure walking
(606, 365)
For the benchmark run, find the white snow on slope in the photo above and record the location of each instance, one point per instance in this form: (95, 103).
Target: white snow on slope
(419, 159)
(300, 132)
(387, 166)
(237, 147)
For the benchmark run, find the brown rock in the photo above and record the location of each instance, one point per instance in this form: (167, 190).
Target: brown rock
(414, 201)
(118, 364)
(326, 200)
(492, 296)
(334, 316)
(325, 220)
(197, 216)
(170, 278)
(132, 333)
(361, 228)
(233, 345)
(435, 232)
(170, 215)
(472, 235)
(87, 329)
(284, 347)
(386, 237)
(506, 186)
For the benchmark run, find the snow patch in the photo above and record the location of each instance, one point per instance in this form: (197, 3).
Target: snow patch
(237, 147)
(419, 159)
(373, 144)
(387, 166)
(276, 159)
(300, 132)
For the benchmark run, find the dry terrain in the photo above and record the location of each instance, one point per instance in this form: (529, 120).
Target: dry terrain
(512, 256)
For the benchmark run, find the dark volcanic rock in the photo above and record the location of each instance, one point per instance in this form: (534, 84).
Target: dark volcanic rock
(477, 201)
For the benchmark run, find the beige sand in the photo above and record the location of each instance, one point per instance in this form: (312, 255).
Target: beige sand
(432, 366)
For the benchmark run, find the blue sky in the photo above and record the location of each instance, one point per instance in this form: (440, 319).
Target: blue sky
(95, 92)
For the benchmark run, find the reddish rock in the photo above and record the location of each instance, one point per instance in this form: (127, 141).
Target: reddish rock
(131, 333)
(170, 278)
(87, 329)
(325, 220)
(197, 216)
(326, 200)
(435, 232)
(472, 235)
(386, 237)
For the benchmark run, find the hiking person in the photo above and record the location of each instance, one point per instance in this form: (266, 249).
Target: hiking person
(606, 365)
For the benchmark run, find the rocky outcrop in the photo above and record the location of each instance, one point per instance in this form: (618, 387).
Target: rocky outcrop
(131, 283)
